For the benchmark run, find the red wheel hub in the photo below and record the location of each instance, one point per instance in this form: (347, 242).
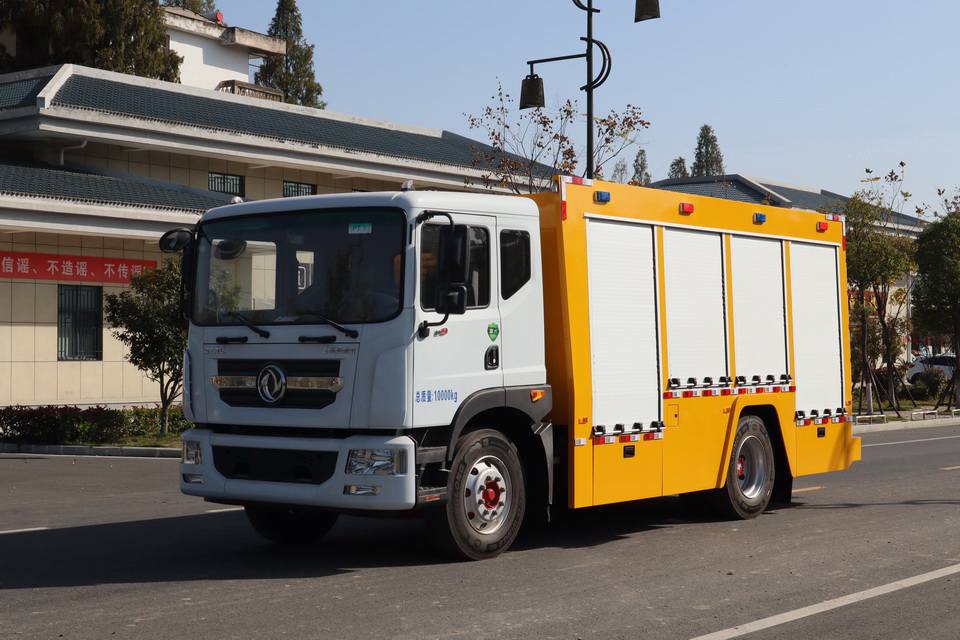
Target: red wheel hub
(491, 495)
(740, 467)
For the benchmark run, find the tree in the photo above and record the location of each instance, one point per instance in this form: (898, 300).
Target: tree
(707, 159)
(525, 150)
(678, 169)
(146, 318)
(879, 257)
(619, 171)
(936, 292)
(641, 175)
(292, 73)
(127, 36)
(197, 6)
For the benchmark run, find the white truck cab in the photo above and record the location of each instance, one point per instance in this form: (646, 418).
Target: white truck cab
(339, 344)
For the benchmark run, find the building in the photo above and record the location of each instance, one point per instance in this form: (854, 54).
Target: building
(95, 166)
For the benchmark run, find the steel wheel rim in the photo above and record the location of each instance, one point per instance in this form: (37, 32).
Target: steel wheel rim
(751, 467)
(486, 495)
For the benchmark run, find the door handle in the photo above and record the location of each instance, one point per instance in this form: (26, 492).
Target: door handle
(491, 360)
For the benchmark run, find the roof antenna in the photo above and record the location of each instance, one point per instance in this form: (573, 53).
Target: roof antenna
(407, 186)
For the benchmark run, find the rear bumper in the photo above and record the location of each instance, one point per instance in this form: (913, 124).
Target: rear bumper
(257, 469)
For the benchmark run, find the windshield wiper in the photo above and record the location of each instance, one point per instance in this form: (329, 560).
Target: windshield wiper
(263, 333)
(350, 333)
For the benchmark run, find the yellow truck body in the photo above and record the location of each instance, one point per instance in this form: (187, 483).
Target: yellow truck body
(681, 442)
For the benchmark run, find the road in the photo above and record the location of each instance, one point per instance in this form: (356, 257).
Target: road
(107, 547)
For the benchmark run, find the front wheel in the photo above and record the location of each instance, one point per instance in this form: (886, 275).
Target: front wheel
(487, 498)
(751, 474)
(290, 526)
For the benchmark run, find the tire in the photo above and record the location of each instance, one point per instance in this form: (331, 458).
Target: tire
(487, 499)
(751, 473)
(290, 526)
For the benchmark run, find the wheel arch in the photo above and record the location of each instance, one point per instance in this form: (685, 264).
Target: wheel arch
(512, 412)
(783, 483)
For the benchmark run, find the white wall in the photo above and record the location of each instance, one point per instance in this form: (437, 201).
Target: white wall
(207, 63)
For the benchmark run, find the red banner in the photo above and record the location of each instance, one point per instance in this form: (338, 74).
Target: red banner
(46, 266)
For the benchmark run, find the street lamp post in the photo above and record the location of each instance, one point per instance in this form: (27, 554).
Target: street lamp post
(531, 91)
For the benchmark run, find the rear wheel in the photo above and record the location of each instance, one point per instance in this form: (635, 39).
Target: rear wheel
(290, 526)
(487, 498)
(751, 474)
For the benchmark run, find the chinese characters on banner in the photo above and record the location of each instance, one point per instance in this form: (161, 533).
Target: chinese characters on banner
(45, 266)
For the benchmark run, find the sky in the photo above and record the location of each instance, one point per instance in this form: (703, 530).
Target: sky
(808, 93)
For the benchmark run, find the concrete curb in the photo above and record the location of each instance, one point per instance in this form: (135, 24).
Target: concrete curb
(905, 424)
(75, 450)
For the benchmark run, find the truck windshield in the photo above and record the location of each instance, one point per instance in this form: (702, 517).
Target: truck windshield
(299, 267)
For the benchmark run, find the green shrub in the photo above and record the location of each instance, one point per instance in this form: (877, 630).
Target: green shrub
(934, 380)
(93, 425)
(917, 391)
(146, 420)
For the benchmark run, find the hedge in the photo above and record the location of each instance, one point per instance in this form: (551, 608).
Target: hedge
(92, 425)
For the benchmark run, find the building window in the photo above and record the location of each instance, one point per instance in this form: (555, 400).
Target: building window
(292, 189)
(79, 323)
(226, 183)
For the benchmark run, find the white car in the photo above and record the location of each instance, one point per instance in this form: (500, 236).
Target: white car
(946, 362)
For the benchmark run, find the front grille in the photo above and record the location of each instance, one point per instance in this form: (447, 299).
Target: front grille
(275, 465)
(294, 398)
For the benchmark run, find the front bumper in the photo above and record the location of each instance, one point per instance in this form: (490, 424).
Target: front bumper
(296, 471)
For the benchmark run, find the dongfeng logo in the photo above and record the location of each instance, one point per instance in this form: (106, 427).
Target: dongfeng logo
(271, 383)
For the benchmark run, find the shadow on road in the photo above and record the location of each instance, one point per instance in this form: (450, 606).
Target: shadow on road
(223, 546)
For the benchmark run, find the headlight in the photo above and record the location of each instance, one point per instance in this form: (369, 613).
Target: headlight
(376, 462)
(191, 452)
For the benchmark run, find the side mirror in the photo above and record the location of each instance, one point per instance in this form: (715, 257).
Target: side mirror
(175, 240)
(230, 249)
(452, 299)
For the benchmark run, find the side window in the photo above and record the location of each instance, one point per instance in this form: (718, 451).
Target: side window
(478, 280)
(478, 283)
(514, 261)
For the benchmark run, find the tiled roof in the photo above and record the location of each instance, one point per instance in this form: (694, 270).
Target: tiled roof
(805, 199)
(19, 93)
(260, 120)
(719, 188)
(745, 189)
(37, 180)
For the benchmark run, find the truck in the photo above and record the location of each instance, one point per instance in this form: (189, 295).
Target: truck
(480, 360)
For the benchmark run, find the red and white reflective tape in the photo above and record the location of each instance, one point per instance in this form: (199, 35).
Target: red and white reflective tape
(804, 423)
(629, 437)
(696, 393)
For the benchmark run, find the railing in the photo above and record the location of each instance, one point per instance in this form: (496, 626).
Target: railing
(251, 90)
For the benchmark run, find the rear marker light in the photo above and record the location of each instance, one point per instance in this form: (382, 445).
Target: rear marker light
(580, 442)
(601, 196)
(759, 218)
(686, 207)
(823, 226)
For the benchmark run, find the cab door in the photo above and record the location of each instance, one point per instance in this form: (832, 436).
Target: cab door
(461, 356)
